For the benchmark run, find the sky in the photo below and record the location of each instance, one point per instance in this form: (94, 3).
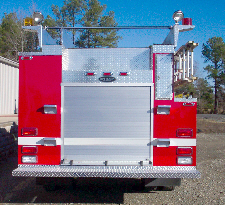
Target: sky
(208, 17)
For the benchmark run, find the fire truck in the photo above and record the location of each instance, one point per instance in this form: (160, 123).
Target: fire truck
(107, 112)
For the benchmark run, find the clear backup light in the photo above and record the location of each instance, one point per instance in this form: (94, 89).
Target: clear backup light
(184, 132)
(29, 159)
(178, 16)
(184, 160)
(29, 150)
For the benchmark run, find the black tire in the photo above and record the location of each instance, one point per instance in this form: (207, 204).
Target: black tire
(50, 186)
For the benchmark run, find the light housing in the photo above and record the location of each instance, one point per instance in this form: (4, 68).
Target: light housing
(90, 73)
(185, 132)
(184, 160)
(107, 74)
(29, 159)
(186, 21)
(26, 58)
(178, 16)
(184, 151)
(124, 74)
(29, 150)
(37, 17)
(28, 21)
(29, 131)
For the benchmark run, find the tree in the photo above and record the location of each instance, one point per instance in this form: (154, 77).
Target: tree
(93, 17)
(49, 21)
(69, 15)
(186, 89)
(204, 94)
(11, 36)
(88, 13)
(13, 39)
(214, 53)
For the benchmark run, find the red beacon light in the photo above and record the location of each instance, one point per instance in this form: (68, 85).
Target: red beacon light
(186, 21)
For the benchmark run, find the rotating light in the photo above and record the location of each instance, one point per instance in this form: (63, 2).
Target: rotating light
(38, 17)
(178, 16)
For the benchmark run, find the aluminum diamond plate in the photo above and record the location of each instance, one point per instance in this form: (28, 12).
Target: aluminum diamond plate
(163, 78)
(135, 61)
(163, 49)
(185, 100)
(107, 171)
(46, 50)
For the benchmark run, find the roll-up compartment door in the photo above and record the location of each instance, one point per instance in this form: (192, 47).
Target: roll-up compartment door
(106, 124)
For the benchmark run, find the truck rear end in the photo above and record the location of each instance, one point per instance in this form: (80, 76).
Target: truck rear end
(108, 112)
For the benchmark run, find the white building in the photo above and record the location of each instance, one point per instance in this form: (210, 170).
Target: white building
(9, 86)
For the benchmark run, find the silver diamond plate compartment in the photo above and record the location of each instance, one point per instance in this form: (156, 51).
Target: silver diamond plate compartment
(135, 61)
(163, 78)
(107, 171)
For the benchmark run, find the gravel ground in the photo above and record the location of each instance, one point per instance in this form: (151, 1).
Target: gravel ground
(209, 189)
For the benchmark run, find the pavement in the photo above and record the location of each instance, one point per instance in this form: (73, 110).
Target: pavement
(6, 121)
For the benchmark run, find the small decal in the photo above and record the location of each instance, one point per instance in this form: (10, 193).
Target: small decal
(107, 79)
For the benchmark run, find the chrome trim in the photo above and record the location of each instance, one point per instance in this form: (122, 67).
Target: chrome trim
(163, 142)
(50, 109)
(163, 109)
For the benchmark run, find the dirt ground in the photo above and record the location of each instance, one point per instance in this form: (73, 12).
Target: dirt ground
(209, 189)
(210, 123)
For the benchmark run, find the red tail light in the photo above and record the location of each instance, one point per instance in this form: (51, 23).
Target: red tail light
(188, 104)
(26, 58)
(29, 131)
(123, 73)
(185, 132)
(184, 151)
(90, 74)
(107, 74)
(29, 150)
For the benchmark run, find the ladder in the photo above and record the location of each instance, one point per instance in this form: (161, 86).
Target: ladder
(184, 64)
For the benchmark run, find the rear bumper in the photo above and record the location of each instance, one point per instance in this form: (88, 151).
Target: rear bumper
(107, 171)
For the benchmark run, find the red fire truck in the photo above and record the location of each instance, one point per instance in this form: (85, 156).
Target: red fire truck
(108, 112)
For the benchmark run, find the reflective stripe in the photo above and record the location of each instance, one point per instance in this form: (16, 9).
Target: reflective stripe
(36, 140)
(109, 141)
(178, 141)
(116, 141)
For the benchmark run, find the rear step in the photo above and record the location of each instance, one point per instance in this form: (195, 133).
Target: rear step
(107, 171)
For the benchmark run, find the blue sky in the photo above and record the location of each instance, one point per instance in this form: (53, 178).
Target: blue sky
(207, 16)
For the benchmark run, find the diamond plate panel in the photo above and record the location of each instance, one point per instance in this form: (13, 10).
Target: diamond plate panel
(163, 77)
(163, 48)
(185, 100)
(46, 50)
(107, 171)
(135, 61)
